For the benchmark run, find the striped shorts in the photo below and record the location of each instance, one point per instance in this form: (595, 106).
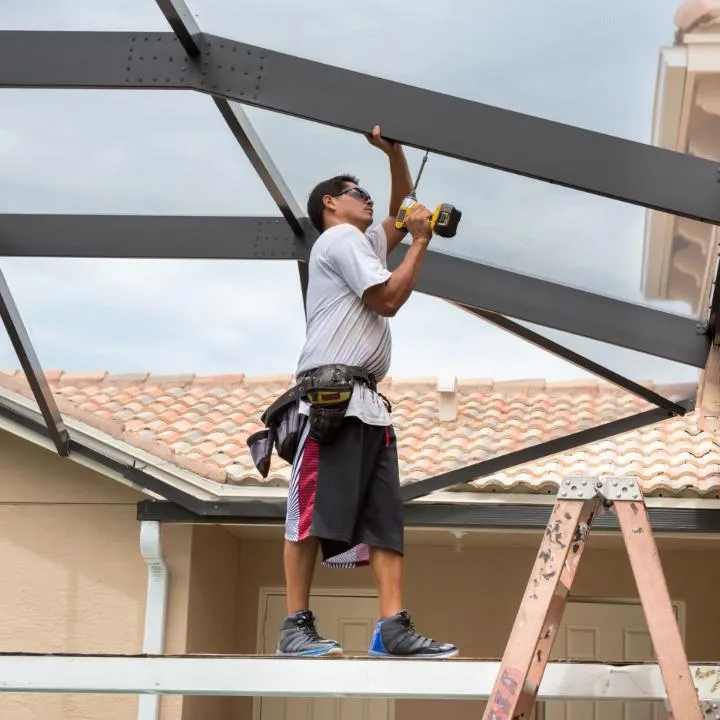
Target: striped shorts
(347, 494)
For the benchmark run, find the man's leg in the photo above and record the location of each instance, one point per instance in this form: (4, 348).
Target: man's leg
(387, 566)
(298, 632)
(300, 558)
(382, 522)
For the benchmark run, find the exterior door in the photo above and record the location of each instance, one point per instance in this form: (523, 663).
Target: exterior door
(604, 632)
(345, 617)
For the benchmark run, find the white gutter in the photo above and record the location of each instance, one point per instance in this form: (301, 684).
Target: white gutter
(155, 608)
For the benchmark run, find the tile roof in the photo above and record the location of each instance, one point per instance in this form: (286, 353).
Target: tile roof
(201, 424)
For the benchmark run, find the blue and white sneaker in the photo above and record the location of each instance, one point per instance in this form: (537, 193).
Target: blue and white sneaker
(300, 638)
(396, 637)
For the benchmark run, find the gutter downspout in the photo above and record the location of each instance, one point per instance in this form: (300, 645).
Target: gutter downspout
(155, 607)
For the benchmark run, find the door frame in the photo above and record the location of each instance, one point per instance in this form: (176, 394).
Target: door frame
(266, 591)
(679, 606)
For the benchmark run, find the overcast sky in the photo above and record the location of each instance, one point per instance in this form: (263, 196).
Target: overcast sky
(588, 64)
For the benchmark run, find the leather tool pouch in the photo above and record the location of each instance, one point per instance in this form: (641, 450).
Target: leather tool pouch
(282, 428)
(287, 431)
(328, 390)
(261, 447)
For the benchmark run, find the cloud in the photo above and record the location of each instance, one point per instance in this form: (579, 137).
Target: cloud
(170, 152)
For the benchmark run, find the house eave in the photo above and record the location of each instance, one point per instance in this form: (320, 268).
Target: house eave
(672, 74)
(162, 481)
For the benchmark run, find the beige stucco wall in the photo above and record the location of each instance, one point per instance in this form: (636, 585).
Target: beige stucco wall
(213, 610)
(73, 579)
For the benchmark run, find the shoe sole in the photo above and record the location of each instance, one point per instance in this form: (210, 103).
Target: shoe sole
(334, 652)
(434, 656)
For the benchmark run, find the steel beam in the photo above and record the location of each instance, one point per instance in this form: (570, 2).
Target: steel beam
(149, 236)
(181, 20)
(33, 370)
(188, 33)
(248, 139)
(561, 307)
(471, 284)
(244, 132)
(545, 150)
(576, 359)
(532, 453)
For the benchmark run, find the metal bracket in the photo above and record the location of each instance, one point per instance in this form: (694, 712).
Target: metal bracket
(609, 488)
(579, 488)
(621, 488)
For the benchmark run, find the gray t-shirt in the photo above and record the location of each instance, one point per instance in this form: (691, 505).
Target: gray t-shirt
(341, 328)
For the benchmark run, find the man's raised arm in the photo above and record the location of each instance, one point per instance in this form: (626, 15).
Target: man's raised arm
(401, 184)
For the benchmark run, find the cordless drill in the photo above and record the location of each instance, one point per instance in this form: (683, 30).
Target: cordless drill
(444, 221)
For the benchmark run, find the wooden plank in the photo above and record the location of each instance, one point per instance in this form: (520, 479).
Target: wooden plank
(224, 675)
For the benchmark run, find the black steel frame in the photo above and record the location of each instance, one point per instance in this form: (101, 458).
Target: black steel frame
(490, 516)
(233, 73)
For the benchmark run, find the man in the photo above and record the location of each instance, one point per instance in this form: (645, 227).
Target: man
(344, 493)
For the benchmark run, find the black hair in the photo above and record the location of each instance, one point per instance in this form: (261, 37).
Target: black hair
(332, 186)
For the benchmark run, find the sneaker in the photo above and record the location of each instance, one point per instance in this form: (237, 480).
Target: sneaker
(396, 637)
(300, 638)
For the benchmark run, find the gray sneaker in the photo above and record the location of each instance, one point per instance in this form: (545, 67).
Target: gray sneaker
(396, 637)
(300, 638)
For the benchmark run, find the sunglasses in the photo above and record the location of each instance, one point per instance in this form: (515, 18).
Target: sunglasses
(356, 192)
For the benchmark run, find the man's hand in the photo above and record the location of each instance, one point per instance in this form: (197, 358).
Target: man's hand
(418, 223)
(378, 141)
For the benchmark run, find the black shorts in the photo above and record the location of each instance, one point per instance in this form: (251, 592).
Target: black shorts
(347, 493)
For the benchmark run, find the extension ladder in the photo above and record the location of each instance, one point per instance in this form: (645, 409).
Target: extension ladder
(579, 501)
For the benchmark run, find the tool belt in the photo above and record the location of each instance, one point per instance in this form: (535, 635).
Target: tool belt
(328, 389)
